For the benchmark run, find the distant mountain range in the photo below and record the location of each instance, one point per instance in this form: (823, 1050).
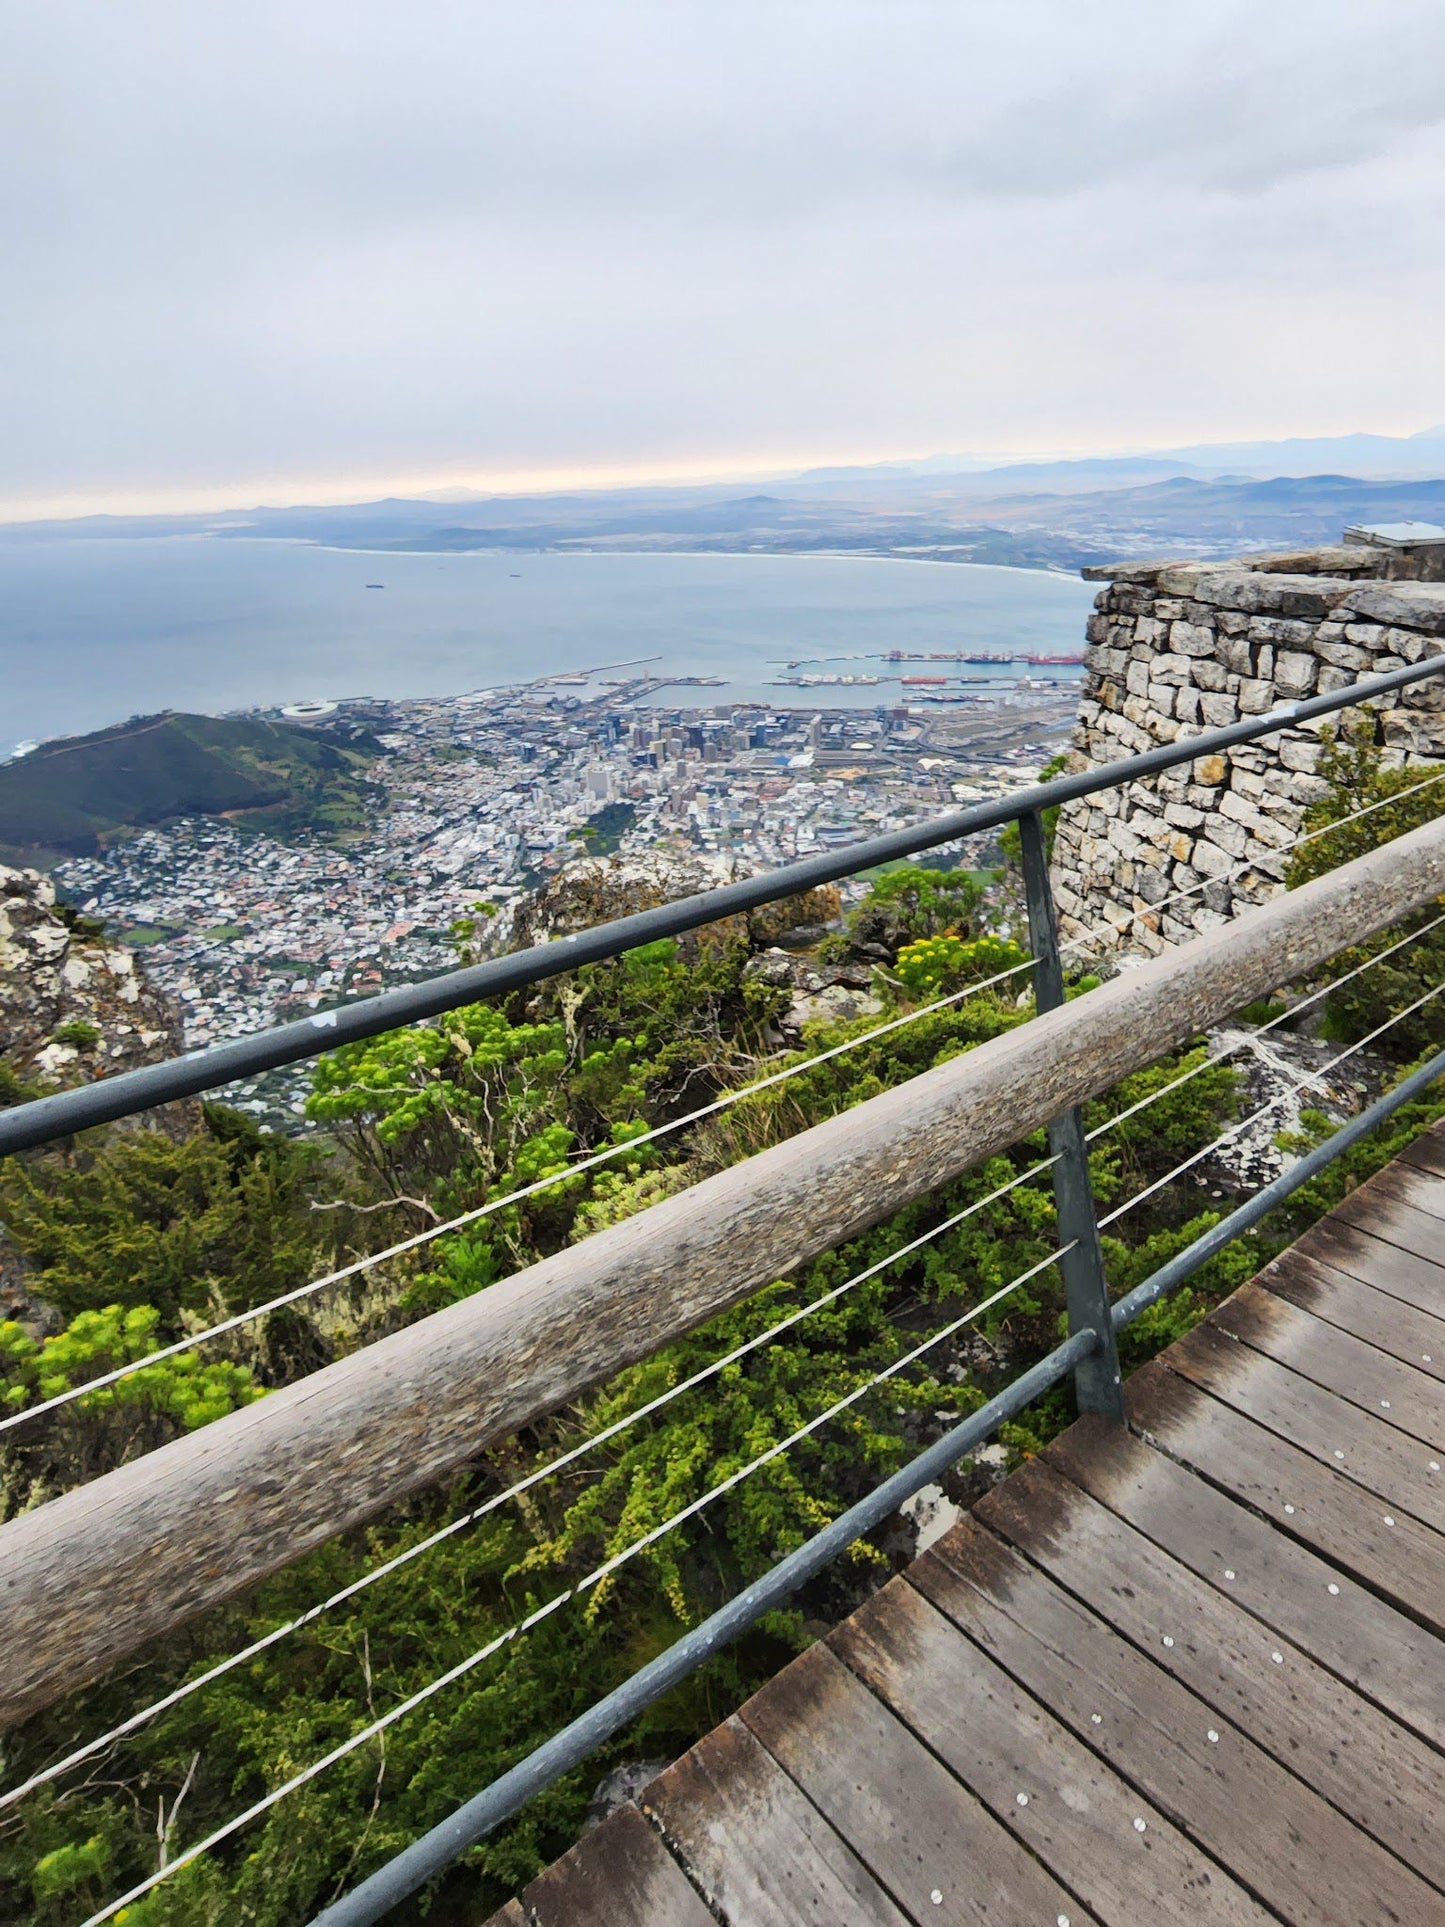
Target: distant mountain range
(1367, 457)
(1063, 514)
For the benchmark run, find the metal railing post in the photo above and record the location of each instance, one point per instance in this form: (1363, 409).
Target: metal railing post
(1098, 1384)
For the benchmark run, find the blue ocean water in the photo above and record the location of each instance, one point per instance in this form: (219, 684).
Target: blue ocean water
(93, 631)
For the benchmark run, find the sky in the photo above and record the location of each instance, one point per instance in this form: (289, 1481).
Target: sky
(257, 251)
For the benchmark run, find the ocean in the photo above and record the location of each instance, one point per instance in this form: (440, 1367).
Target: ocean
(95, 630)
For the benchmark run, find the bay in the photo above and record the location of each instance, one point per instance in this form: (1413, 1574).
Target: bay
(95, 630)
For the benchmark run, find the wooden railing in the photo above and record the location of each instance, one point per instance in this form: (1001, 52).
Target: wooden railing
(88, 1577)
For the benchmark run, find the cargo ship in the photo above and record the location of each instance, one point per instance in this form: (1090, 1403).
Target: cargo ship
(1055, 662)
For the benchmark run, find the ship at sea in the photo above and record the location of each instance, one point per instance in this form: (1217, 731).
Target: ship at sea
(1055, 662)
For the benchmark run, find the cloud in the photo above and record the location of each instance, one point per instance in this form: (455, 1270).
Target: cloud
(257, 246)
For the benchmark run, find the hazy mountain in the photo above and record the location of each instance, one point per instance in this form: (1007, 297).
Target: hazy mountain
(1371, 456)
(1035, 514)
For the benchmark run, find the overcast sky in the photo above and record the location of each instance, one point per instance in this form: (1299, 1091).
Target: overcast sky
(332, 247)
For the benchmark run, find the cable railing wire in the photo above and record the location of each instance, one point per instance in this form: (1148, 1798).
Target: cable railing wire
(188, 1688)
(649, 1408)
(718, 1365)
(1244, 1042)
(603, 1571)
(638, 1546)
(591, 1162)
(381, 1723)
(1097, 937)
(190, 1341)
(1234, 1130)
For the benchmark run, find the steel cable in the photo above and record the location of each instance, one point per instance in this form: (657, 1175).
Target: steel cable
(608, 1153)
(188, 1688)
(368, 1263)
(713, 1369)
(1234, 1130)
(1243, 1042)
(142, 1717)
(535, 1618)
(535, 1477)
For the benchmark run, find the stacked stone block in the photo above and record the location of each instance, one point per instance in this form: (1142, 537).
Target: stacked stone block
(1177, 648)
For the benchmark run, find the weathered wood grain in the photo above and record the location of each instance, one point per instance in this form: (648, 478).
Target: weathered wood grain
(1427, 1152)
(1209, 1777)
(1411, 1400)
(1375, 1771)
(1383, 1216)
(1372, 1541)
(1057, 1795)
(1391, 1324)
(619, 1875)
(1376, 1261)
(902, 1812)
(1312, 1420)
(1284, 1583)
(87, 1578)
(1409, 1185)
(756, 1845)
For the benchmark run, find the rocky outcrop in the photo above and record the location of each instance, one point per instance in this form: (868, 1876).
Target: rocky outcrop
(72, 1006)
(599, 889)
(830, 993)
(1179, 647)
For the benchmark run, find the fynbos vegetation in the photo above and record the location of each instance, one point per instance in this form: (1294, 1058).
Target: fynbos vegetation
(129, 1240)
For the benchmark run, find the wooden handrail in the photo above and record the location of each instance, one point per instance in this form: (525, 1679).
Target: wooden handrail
(87, 1578)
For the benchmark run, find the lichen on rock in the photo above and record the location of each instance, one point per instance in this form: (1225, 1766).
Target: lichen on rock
(73, 1006)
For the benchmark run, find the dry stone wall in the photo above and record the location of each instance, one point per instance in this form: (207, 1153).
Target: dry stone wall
(1175, 648)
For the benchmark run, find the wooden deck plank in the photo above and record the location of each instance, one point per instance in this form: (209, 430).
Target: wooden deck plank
(1065, 1803)
(1408, 1185)
(1402, 1560)
(1353, 1754)
(1394, 1223)
(1335, 1359)
(1194, 1671)
(618, 1875)
(919, 1831)
(1229, 1795)
(1363, 1446)
(1376, 1262)
(1389, 1324)
(1427, 1153)
(1374, 1647)
(755, 1845)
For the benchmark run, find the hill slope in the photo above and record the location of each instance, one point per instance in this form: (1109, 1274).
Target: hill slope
(69, 796)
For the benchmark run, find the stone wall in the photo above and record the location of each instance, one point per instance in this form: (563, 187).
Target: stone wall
(1175, 648)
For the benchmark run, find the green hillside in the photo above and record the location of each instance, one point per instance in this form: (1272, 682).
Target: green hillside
(69, 796)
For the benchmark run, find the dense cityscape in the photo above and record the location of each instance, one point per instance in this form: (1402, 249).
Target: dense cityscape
(481, 798)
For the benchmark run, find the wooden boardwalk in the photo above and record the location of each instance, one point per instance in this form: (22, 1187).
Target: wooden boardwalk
(1193, 1671)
